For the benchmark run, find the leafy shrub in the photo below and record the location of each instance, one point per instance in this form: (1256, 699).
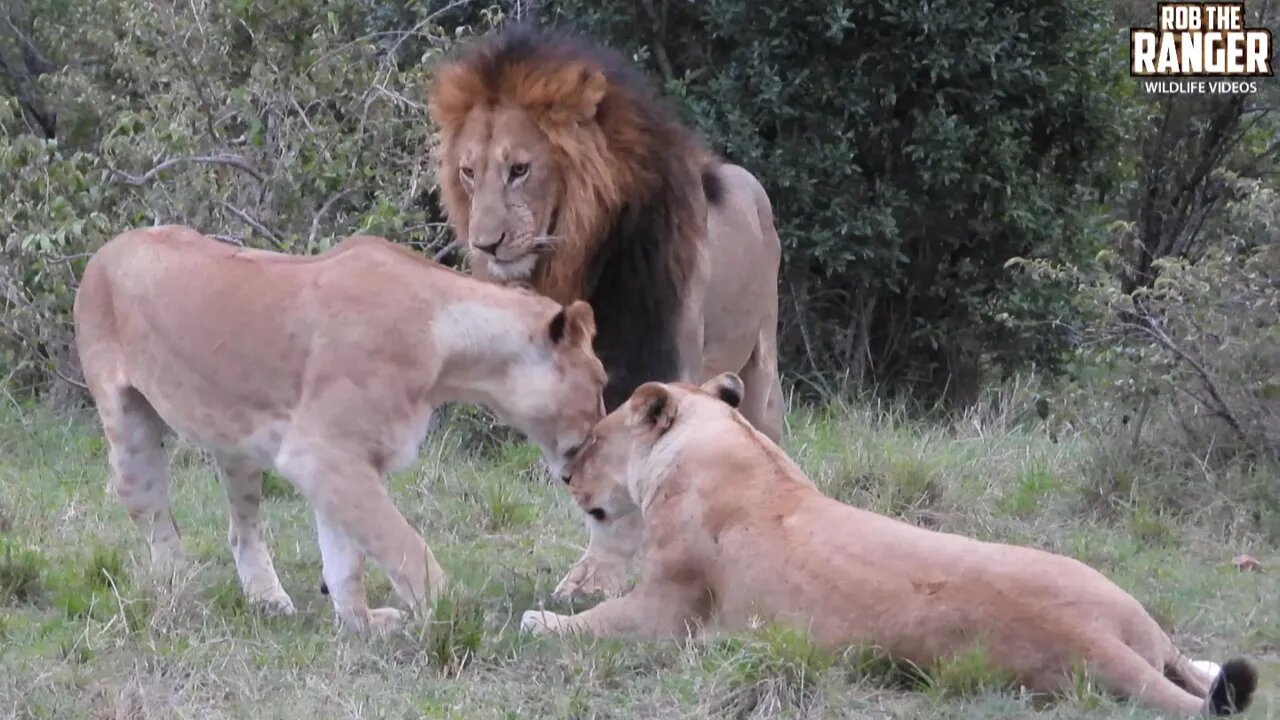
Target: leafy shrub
(1178, 382)
(273, 124)
(909, 150)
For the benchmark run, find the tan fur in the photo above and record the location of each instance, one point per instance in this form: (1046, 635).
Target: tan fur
(735, 534)
(326, 368)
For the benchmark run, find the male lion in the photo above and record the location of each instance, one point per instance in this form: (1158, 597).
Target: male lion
(735, 533)
(559, 165)
(326, 368)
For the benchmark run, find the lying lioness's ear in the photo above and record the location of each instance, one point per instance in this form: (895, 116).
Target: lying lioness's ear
(726, 386)
(575, 322)
(653, 406)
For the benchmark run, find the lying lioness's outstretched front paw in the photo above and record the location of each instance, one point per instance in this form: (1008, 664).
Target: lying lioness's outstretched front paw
(541, 622)
(593, 575)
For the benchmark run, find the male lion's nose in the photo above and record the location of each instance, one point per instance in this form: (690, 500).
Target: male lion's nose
(487, 246)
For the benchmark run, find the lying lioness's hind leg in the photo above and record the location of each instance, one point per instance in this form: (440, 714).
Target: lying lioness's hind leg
(1126, 673)
(242, 481)
(139, 471)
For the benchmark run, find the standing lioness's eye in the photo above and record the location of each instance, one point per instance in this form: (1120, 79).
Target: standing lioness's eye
(519, 170)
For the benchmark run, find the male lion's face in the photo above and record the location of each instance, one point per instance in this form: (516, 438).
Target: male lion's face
(625, 443)
(507, 169)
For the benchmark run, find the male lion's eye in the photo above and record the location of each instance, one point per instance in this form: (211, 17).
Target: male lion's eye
(519, 170)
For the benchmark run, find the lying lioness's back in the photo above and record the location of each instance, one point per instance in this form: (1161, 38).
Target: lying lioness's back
(734, 534)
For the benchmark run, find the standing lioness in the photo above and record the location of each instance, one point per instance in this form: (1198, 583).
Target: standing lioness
(326, 368)
(733, 531)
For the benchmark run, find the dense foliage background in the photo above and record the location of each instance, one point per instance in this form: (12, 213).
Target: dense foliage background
(969, 192)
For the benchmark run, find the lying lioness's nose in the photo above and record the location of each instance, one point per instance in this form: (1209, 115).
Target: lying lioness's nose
(489, 246)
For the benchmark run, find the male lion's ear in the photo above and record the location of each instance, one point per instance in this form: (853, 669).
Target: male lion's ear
(593, 90)
(455, 89)
(571, 94)
(654, 406)
(726, 386)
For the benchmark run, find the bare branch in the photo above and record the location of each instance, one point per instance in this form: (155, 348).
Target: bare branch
(263, 230)
(416, 30)
(234, 161)
(66, 379)
(658, 17)
(315, 221)
(1155, 332)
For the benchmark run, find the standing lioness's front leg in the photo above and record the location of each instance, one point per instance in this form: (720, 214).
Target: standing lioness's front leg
(355, 518)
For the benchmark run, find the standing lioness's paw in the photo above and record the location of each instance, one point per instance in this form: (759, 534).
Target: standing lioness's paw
(540, 622)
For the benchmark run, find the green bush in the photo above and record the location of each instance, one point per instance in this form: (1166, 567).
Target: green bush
(909, 149)
(273, 124)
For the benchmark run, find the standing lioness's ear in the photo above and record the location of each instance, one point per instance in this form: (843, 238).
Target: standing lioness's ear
(575, 322)
(726, 386)
(653, 406)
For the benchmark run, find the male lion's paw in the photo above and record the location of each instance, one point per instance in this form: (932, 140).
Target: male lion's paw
(540, 622)
(593, 575)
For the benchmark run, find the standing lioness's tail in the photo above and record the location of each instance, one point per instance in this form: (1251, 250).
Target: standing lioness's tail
(1232, 689)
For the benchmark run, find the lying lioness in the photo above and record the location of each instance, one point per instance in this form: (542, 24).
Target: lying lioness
(734, 533)
(326, 368)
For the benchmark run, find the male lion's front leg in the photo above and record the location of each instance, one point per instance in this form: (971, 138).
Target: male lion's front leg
(604, 566)
(650, 612)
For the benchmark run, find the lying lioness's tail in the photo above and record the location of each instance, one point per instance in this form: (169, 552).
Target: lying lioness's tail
(1232, 689)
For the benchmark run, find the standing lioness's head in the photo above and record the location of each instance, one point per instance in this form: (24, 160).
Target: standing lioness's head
(643, 433)
(555, 390)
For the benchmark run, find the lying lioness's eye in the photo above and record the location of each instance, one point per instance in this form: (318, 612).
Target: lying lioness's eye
(519, 170)
(467, 172)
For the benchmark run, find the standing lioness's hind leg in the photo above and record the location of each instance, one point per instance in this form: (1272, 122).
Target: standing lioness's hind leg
(139, 471)
(242, 481)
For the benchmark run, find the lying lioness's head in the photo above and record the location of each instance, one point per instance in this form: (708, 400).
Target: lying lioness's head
(559, 385)
(629, 441)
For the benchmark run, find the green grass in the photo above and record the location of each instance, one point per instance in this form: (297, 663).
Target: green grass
(86, 633)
